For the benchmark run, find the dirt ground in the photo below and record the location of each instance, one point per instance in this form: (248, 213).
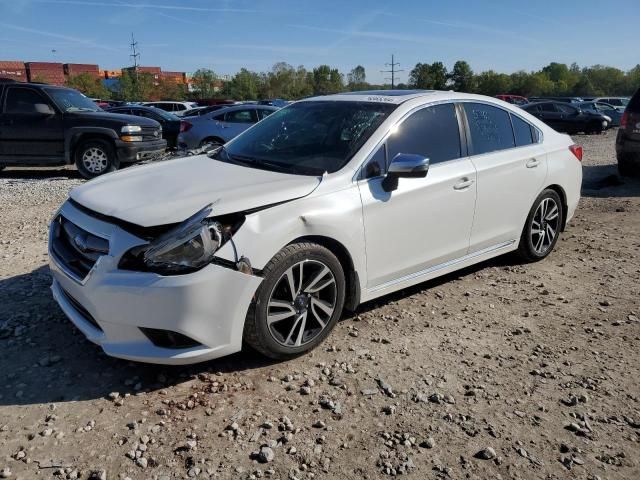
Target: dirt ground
(501, 371)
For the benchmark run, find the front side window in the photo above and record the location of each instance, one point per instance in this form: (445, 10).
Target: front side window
(263, 113)
(307, 138)
(567, 110)
(22, 100)
(431, 132)
(489, 127)
(241, 116)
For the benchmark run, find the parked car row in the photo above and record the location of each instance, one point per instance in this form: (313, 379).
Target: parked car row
(570, 118)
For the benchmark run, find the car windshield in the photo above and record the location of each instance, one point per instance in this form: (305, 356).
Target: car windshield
(72, 100)
(307, 138)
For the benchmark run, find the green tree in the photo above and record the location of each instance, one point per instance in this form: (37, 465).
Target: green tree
(170, 90)
(357, 79)
(204, 82)
(462, 78)
(429, 76)
(493, 83)
(244, 85)
(138, 88)
(89, 85)
(326, 80)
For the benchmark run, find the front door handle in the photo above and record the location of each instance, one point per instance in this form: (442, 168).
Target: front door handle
(533, 163)
(463, 184)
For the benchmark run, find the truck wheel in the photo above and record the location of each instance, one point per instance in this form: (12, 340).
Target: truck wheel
(298, 303)
(95, 157)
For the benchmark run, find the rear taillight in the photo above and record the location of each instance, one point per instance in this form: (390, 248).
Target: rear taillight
(577, 151)
(624, 121)
(185, 126)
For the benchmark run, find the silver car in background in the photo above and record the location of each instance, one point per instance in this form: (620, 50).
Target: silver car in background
(220, 126)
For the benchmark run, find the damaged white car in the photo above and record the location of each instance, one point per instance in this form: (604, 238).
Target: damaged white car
(325, 204)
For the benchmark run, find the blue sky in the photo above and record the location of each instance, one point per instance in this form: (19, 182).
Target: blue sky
(225, 35)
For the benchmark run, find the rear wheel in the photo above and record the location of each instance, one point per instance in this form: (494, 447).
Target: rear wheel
(298, 303)
(542, 228)
(95, 157)
(211, 143)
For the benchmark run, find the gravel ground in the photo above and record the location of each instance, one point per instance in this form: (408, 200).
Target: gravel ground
(500, 371)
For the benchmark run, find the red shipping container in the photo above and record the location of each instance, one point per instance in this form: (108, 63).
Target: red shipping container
(13, 70)
(78, 68)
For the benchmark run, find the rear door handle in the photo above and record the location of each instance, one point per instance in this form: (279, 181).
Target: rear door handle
(463, 184)
(533, 163)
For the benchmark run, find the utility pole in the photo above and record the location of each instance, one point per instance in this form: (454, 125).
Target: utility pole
(135, 56)
(393, 70)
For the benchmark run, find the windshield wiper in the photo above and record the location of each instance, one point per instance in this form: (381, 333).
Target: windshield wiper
(258, 162)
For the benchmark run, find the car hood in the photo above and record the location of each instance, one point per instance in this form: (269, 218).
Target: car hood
(120, 118)
(173, 190)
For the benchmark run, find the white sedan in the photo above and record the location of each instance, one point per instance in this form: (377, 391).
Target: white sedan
(327, 203)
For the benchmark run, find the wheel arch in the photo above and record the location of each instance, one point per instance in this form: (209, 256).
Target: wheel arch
(78, 135)
(213, 138)
(352, 294)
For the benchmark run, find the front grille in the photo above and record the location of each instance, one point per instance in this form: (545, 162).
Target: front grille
(76, 249)
(80, 309)
(151, 133)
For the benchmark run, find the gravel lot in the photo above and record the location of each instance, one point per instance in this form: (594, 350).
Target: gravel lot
(502, 370)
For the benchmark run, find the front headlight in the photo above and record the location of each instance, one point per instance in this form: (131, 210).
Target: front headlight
(131, 129)
(192, 248)
(186, 247)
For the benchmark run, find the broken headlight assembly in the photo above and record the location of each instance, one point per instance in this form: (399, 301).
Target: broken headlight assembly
(184, 248)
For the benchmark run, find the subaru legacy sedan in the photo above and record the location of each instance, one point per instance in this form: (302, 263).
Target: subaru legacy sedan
(328, 203)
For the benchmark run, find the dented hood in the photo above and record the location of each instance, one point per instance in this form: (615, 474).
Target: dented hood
(171, 191)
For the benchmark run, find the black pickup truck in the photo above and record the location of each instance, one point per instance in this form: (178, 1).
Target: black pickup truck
(47, 125)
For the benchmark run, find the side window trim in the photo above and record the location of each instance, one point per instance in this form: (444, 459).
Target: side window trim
(536, 140)
(8, 89)
(360, 171)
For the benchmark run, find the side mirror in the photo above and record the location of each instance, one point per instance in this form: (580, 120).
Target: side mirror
(43, 109)
(405, 165)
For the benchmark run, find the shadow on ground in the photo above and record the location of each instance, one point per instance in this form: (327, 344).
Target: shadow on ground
(604, 181)
(46, 359)
(48, 173)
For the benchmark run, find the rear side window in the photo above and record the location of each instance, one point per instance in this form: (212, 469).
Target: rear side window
(22, 100)
(522, 131)
(548, 107)
(241, 116)
(264, 113)
(490, 128)
(432, 132)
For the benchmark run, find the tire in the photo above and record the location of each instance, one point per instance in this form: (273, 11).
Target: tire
(95, 157)
(297, 324)
(536, 246)
(212, 142)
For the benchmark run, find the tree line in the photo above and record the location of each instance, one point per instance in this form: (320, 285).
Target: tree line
(291, 83)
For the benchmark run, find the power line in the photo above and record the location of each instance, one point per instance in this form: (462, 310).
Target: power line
(393, 71)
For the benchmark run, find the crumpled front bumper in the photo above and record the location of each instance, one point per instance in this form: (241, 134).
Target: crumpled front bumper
(110, 305)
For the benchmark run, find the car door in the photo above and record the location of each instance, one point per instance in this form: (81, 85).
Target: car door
(28, 135)
(511, 167)
(426, 221)
(550, 114)
(237, 121)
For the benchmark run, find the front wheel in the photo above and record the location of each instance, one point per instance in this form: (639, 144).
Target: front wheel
(95, 157)
(542, 228)
(298, 303)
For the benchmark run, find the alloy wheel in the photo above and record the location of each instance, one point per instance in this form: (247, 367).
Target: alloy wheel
(544, 225)
(301, 303)
(95, 160)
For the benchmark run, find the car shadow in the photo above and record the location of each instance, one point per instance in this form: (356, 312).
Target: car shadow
(46, 359)
(40, 173)
(604, 181)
